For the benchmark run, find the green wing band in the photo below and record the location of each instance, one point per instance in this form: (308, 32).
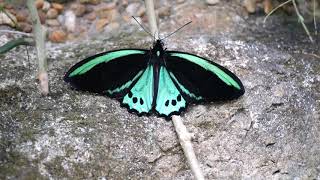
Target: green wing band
(126, 85)
(105, 58)
(169, 99)
(140, 96)
(210, 67)
(186, 91)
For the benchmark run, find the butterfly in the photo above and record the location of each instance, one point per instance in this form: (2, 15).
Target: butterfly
(154, 80)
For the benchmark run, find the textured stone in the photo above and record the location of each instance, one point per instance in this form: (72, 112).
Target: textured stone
(212, 2)
(52, 22)
(39, 4)
(57, 36)
(57, 6)
(4, 19)
(101, 23)
(78, 9)
(52, 13)
(70, 21)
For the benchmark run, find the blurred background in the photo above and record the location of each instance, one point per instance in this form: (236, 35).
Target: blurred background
(71, 20)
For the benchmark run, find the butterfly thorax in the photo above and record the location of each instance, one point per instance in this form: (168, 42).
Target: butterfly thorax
(157, 53)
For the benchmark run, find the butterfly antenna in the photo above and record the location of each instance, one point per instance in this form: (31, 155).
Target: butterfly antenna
(176, 30)
(144, 28)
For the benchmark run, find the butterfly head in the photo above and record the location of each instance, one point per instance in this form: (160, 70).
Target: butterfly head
(158, 49)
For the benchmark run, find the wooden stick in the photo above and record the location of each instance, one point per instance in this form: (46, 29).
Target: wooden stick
(186, 144)
(183, 134)
(39, 35)
(152, 18)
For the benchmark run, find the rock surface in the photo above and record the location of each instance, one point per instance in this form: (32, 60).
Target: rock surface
(272, 132)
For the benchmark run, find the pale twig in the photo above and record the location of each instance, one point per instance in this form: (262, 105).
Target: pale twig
(39, 35)
(273, 10)
(184, 136)
(16, 32)
(186, 144)
(301, 19)
(314, 17)
(152, 18)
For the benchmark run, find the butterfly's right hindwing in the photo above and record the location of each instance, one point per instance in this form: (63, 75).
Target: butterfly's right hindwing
(110, 73)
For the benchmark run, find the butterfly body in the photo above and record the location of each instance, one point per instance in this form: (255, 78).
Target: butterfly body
(154, 80)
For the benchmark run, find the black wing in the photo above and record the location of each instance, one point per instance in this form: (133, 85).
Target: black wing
(202, 80)
(110, 72)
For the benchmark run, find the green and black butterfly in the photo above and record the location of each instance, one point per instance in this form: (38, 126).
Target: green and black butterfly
(145, 81)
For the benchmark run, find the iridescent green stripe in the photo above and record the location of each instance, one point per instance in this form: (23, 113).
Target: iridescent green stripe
(210, 67)
(126, 85)
(104, 58)
(184, 89)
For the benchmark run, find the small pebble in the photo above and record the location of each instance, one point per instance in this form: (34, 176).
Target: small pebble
(78, 9)
(70, 21)
(52, 22)
(57, 6)
(46, 6)
(132, 9)
(4, 19)
(91, 16)
(25, 27)
(52, 13)
(42, 16)
(58, 36)
(212, 2)
(94, 2)
(22, 16)
(250, 5)
(39, 4)
(101, 23)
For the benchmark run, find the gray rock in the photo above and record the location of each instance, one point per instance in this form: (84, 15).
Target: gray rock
(272, 132)
(70, 21)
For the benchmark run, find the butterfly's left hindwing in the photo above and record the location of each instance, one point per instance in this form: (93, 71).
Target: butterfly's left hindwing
(202, 80)
(110, 73)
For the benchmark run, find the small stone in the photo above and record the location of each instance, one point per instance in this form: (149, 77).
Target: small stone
(141, 11)
(39, 4)
(70, 21)
(267, 6)
(212, 2)
(22, 16)
(25, 27)
(132, 9)
(58, 36)
(78, 9)
(164, 11)
(112, 14)
(107, 6)
(250, 5)
(4, 19)
(42, 16)
(52, 22)
(52, 13)
(91, 16)
(101, 23)
(94, 2)
(8, 6)
(46, 6)
(111, 27)
(57, 6)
